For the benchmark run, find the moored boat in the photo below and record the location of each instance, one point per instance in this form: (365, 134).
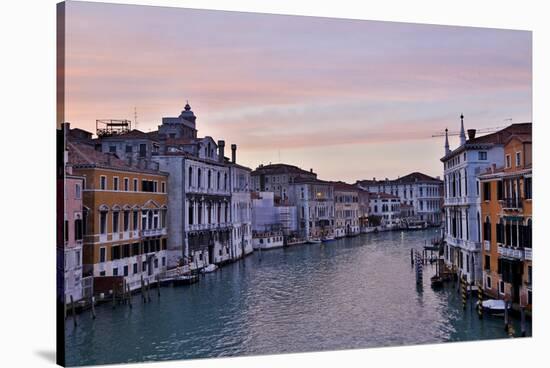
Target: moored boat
(314, 241)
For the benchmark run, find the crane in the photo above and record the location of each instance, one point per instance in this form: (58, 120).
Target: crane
(480, 131)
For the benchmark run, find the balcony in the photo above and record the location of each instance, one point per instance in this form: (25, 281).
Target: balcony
(512, 204)
(456, 201)
(528, 252)
(153, 232)
(467, 245)
(516, 253)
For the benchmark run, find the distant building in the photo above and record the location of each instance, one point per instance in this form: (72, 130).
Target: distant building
(387, 207)
(424, 193)
(462, 167)
(241, 214)
(124, 216)
(364, 209)
(506, 215)
(314, 201)
(346, 210)
(268, 215)
(277, 178)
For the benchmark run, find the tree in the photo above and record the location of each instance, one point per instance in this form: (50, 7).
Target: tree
(374, 220)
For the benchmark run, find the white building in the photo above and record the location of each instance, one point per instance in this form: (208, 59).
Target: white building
(424, 193)
(462, 167)
(268, 216)
(276, 178)
(387, 207)
(241, 209)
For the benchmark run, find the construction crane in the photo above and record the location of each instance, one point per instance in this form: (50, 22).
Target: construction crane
(478, 131)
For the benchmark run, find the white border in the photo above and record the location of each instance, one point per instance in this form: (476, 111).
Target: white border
(28, 98)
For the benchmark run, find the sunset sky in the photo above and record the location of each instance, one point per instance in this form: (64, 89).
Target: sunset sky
(351, 99)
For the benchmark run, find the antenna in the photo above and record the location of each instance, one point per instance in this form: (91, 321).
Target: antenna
(135, 118)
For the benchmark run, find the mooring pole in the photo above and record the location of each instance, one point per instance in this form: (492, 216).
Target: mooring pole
(93, 307)
(72, 311)
(480, 300)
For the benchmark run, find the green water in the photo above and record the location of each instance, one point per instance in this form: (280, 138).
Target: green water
(350, 293)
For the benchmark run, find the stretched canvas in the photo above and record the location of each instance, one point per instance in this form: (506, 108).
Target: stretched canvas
(235, 184)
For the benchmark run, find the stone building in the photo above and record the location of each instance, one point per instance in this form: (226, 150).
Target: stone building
(124, 216)
(420, 191)
(277, 178)
(314, 201)
(463, 223)
(346, 210)
(387, 207)
(506, 216)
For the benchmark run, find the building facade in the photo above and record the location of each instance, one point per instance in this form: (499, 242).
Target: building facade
(346, 210)
(387, 207)
(314, 201)
(277, 178)
(462, 205)
(420, 191)
(506, 214)
(124, 216)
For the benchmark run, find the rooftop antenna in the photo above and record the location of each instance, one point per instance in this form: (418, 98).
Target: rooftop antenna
(135, 118)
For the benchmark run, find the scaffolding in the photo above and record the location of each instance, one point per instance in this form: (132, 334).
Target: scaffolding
(112, 127)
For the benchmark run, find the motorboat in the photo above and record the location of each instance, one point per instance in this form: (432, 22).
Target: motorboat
(314, 241)
(494, 306)
(328, 238)
(210, 268)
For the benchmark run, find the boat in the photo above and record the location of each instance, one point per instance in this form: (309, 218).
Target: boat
(416, 225)
(437, 282)
(494, 306)
(328, 238)
(295, 242)
(210, 268)
(314, 241)
(185, 280)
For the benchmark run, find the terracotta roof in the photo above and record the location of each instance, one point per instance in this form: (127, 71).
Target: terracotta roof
(280, 169)
(82, 155)
(502, 136)
(133, 134)
(341, 186)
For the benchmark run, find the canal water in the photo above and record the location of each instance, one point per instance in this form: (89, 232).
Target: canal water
(349, 293)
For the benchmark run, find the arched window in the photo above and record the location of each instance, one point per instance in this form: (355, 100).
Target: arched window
(225, 181)
(209, 179)
(199, 178)
(219, 181)
(190, 179)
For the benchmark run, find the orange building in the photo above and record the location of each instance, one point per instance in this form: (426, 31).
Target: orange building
(506, 208)
(125, 209)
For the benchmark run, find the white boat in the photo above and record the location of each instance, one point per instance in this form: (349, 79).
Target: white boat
(210, 268)
(314, 241)
(494, 306)
(328, 238)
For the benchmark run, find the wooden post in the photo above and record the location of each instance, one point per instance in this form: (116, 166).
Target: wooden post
(148, 287)
(412, 257)
(506, 316)
(142, 291)
(523, 327)
(93, 307)
(114, 294)
(158, 285)
(72, 311)
(464, 296)
(129, 295)
(480, 300)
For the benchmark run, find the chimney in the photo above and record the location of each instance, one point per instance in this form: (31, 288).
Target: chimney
(234, 153)
(471, 134)
(311, 170)
(221, 151)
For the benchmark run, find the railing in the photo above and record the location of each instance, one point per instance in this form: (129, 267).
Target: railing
(153, 232)
(512, 203)
(528, 252)
(517, 253)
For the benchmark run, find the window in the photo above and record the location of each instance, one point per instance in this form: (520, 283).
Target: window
(488, 283)
(163, 187)
(125, 250)
(128, 149)
(135, 185)
(103, 182)
(527, 188)
(142, 150)
(115, 221)
(487, 263)
(103, 222)
(78, 229)
(115, 271)
(115, 252)
(115, 183)
(126, 184)
(148, 186)
(508, 162)
(102, 254)
(112, 149)
(518, 158)
(501, 287)
(77, 191)
(125, 270)
(155, 186)
(135, 268)
(487, 191)
(190, 179)
(77, 258)
(482, 155)
(126, 220)
(135, 249)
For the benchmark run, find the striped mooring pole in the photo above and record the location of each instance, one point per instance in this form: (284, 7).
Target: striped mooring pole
(463, 284)
(480, 300)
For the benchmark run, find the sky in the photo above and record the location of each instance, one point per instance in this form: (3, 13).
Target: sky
(351, 99)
